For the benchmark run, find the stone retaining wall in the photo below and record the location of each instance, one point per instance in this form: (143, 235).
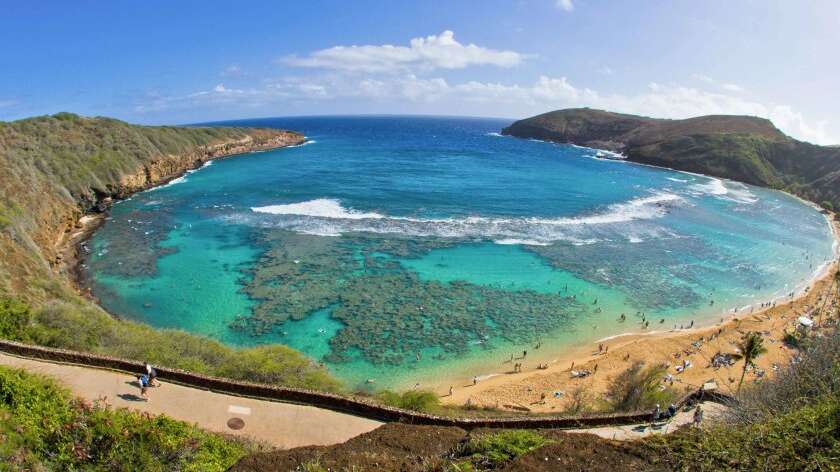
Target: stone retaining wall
(345, 404)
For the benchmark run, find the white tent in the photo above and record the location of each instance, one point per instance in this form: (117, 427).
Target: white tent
(806, 322)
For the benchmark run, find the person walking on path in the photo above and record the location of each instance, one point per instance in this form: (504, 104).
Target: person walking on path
(655, 416)
(143, 381)
(698, 416)
(152, 374)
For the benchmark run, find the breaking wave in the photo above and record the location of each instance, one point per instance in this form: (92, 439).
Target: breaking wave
(734, 191)
(327, 217)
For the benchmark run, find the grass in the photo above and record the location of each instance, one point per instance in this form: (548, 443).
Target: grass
(493, 450)
(42, 427)
(638, 388)
(86, 328)
(805, 439)
(417, 400)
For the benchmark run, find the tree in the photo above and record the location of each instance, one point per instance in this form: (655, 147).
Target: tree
(827, 205)
(638, 388)
(751, 347)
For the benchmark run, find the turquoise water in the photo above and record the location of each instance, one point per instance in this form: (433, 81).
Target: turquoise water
(406, 249)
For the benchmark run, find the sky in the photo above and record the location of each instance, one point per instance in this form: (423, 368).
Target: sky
(165, 62)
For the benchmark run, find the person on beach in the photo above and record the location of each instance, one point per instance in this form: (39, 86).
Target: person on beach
(450, 390)
(143, 382)
(475, 380)
(524, 354)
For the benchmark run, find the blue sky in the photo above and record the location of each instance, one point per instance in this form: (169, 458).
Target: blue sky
(191, 61)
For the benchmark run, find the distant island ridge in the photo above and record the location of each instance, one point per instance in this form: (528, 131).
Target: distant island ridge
(743, 148)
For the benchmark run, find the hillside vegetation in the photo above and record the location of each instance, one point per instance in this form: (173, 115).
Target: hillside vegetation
(743, 148)
(790, 422)
(56, 168)
(42, 427)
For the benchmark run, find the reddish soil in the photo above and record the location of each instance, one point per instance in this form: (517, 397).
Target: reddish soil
(408, 448)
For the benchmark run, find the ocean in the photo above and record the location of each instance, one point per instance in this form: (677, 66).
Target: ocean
(400, 250)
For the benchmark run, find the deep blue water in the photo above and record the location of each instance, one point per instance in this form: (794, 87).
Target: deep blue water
(503, 213)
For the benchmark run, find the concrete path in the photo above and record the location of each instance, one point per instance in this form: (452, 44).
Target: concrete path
(624, 433)
(283, 425)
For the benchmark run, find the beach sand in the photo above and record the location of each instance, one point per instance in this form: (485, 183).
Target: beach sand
(522, 391)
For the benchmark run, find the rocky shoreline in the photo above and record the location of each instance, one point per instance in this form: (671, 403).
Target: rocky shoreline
(72, 239)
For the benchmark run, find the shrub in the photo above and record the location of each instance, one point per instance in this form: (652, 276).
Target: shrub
(638, 388)
(804, 439)
(15, 319)
(417, 400)
(790, 422)
(498, 448)
(83, 327)
(44, 428)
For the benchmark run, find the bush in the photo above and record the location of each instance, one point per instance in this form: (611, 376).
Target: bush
(638, 389)
(44, 428)
(416, 400)
(83, 327)
(827, 205)
(791, 422)
(805, 439)
(498, 448)
(15, 320)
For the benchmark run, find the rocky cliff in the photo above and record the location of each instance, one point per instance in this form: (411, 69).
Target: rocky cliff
(57, 168)
(743, 148)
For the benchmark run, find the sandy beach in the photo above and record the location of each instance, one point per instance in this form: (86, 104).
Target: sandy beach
(524, 390)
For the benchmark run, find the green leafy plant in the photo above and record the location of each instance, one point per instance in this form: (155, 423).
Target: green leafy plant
(751, 348)
(638, 388)
(417, 400)
(44, 428)
(498, 448)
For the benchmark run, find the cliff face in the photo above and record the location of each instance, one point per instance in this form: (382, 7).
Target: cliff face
(59, 167)
(743, 148)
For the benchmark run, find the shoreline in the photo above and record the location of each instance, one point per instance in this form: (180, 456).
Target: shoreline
(86, 226)
(70, 244)
(516, 391)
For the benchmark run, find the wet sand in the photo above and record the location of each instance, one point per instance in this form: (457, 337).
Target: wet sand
(523, 390)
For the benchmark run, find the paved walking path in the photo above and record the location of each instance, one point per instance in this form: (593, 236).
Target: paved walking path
(624, 433)
(282, 425)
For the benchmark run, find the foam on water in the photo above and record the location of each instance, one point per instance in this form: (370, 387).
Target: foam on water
(326, 216)
(504, 214)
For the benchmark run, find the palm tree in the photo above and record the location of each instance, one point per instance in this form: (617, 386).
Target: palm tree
(751, 347)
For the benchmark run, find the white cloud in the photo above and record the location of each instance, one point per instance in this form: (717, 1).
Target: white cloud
(441, 51)
(548, 93)
(565, 5)
(232, 70)
(729, 87)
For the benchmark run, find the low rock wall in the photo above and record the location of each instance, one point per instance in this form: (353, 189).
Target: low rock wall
(345, 404)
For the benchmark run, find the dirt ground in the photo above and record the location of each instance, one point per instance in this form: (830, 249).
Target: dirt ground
(409, 448)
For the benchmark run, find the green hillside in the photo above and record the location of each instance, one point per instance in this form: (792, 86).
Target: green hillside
(743, 148)
(55, 169)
